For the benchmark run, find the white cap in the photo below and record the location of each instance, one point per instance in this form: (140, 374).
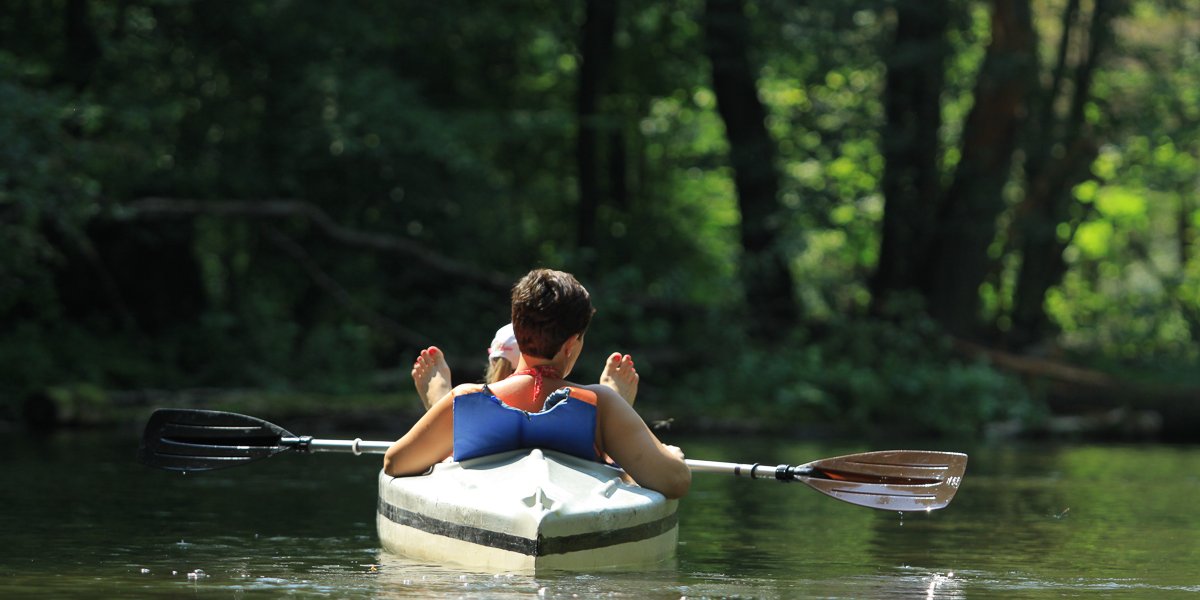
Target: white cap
(505, 345)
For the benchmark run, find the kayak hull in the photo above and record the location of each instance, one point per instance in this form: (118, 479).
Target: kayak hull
(525, 510)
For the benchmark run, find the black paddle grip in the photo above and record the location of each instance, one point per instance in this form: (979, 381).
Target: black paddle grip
(785, 473)
(301, 443)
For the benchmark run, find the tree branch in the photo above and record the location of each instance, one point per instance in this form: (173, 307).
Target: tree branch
(1070, 15)
(164, 208)
(339, 293)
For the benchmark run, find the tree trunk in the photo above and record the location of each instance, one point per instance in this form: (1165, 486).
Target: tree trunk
(414, 252)
(1060, 154)
(82, 47)
(618, 165)
(967, 220)
(911, 178)
(599, 27)
(1184, 230)
(1040, 245)
(766, 277)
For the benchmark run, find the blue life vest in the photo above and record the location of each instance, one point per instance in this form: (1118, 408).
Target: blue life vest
(484, 424)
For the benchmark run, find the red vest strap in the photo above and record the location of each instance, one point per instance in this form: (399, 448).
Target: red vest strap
(585, 395)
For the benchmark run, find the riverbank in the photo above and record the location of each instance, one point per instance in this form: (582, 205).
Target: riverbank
(1076, 412)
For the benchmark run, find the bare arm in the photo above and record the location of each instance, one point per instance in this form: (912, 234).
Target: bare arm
(627, 439)
(429, 441)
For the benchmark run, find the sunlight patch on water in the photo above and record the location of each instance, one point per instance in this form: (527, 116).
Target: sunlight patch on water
(1003, 585)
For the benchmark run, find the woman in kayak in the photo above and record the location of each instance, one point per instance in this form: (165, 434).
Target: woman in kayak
(551, 312)
(431, 372)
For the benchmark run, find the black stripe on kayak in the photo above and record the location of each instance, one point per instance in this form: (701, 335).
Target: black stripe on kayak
(542, 546)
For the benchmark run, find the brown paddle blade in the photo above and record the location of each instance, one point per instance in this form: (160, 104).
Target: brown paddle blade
(901, 480)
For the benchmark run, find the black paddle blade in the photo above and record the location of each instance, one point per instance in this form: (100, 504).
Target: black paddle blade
(202, 440)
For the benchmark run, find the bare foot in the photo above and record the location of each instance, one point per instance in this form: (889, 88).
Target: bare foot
(620, 375)
(431, 375)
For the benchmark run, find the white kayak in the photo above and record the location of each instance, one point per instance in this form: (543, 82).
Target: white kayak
(525, 510)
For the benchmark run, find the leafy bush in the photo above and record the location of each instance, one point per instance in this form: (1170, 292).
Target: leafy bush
(863, 374)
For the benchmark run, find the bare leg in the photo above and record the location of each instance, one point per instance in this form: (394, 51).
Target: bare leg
(620, 376)
(431, 375)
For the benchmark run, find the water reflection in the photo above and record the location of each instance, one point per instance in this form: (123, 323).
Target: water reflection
(1034, 521)
(906, 583)
(402, 577)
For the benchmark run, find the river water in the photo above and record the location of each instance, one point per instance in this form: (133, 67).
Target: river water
(80, 518)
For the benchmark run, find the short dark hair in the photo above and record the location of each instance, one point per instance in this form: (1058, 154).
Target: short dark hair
(548, 307)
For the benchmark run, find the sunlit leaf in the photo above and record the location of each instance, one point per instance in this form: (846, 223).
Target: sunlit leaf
(1086, 191)
(842, 168)
(1165, 154)
(1105, 165)
(1094, 238)
(843, 214)
(1120, 202)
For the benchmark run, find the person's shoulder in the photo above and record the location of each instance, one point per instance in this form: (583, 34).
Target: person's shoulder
(604, 394)
(463, 389)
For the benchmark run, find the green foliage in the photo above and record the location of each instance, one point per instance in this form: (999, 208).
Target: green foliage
(38, 182)
(453, 127)
(1130, 295)
(870, 375)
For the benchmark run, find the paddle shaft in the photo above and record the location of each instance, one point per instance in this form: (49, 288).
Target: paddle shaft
(355, 446)
(754, 471)
(358, 447)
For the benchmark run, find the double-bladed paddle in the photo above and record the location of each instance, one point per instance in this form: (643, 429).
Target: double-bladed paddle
(900, 480)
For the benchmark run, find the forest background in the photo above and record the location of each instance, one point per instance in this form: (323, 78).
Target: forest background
(929, 216)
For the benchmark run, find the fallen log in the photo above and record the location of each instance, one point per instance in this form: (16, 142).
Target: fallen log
(1084, 400)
